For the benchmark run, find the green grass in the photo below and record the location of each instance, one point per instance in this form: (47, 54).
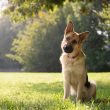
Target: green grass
(38, 91)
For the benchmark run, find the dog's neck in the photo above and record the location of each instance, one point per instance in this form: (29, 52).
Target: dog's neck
(77, 55)
(74, 56)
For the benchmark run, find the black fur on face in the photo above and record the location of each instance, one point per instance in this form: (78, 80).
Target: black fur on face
(87, 83)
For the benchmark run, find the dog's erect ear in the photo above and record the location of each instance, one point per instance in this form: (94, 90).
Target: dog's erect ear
(69, 27)
(83, 36)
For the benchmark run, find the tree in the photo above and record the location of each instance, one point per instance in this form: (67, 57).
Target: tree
(20, 10)
(37, 48)
(7, 33)
(34, 47)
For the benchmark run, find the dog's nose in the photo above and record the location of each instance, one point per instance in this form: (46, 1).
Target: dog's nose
(68, 48)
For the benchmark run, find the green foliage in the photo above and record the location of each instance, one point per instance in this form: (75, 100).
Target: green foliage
(7, 33)
(37, 48)
(34, 47)
(20, 10)
(38, 91)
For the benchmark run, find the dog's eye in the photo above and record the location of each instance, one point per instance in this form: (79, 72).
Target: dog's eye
(74, 42)
(67, 38)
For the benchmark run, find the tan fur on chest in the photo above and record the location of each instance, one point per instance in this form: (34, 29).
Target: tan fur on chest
(74, 66)
(73, 69)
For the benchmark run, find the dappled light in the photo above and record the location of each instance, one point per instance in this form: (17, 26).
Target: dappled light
(31, 33)
(33, 36)
(34, 91)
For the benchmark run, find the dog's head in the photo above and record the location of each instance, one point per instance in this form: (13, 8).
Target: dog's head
(72, 40)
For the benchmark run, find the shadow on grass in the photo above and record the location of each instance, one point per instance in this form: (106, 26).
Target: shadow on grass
(102, 101)
(103, 89)
(42, 102)
(51, 88)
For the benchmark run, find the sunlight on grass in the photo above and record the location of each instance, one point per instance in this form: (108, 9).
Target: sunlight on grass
(38, 91)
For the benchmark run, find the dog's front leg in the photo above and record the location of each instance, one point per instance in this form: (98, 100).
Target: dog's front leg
(66, 90)
(79, 91)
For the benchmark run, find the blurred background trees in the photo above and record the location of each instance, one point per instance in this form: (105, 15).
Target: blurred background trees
(8, 31)
(37, 46)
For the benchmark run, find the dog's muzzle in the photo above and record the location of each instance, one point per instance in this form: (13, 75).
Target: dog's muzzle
(68, 48)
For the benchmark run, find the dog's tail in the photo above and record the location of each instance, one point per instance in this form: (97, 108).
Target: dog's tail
(87, 83)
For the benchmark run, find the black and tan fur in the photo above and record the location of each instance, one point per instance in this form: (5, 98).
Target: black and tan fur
(74, 67)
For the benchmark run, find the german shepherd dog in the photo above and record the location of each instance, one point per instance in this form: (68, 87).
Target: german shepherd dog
(74, 69)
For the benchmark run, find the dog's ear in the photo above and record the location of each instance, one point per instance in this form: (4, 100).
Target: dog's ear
(83, 36)
(69, 27)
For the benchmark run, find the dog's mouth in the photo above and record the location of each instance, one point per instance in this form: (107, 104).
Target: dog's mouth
(68, 48)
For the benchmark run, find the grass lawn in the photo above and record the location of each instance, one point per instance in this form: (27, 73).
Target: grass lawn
(44, 91)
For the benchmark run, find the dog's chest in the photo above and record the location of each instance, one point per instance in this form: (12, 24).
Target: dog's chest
(73, 71)
(73, 66)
